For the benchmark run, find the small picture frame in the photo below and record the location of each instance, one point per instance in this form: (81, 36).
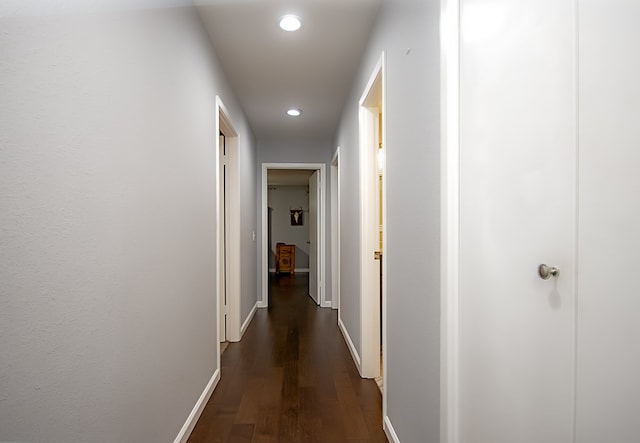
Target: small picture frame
(296, 217)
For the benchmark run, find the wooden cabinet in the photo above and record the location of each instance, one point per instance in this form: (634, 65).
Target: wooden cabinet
(285, 258)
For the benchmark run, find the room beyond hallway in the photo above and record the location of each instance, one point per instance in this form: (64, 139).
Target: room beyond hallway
(291, 379)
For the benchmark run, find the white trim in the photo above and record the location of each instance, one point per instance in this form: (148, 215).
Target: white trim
(326, 304)
(350, 345)
(370, 308)
(223, 124)
(389, 431)
(335, 229)
(246, 323)
(221, 334)
(263, 301)
(193, 417)
(450, 227)
(385, 242)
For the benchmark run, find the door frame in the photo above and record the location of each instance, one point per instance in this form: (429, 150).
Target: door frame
(449, 221)
(335, 230)
(321, 168)
(370, 314)
(232, 277)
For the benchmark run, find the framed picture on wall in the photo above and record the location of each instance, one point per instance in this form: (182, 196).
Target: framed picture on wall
(296, 217)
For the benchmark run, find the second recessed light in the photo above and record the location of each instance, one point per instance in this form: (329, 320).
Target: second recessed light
(290, 22)
(294, 112)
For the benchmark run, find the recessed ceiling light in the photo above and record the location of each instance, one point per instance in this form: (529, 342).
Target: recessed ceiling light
(290, 22)
(293, 112)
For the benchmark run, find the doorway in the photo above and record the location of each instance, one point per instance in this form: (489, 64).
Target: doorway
(373, 225)
(335, 230)
(227, 233)
(313, 218)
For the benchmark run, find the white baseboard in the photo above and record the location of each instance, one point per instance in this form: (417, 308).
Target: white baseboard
(246, 323)
(188, 426)
(334, 305)
(262, 305)
(389, 431)
(326, 304)
(350, 345)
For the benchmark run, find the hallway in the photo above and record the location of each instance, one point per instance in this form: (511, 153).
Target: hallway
(291, 379)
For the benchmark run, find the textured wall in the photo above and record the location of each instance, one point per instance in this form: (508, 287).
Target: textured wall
(107, 244)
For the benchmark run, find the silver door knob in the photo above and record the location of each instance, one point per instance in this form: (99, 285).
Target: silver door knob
(546, 272)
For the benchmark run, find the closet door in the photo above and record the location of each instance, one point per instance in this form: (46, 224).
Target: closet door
(608, 391)
(517, 211)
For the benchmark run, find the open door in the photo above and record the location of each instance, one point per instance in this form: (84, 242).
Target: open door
(222, 308)
(314, 237)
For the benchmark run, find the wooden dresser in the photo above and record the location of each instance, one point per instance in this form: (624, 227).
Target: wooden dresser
(285, 258)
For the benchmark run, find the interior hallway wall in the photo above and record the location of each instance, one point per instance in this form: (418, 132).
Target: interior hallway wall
(408, 32)
(108, 318)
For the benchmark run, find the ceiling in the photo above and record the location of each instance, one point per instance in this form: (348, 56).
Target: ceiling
(272, 70)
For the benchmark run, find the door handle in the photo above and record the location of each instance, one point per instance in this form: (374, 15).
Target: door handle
(377, 255)
(546, 272)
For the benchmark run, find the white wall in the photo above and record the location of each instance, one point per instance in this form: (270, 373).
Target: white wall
(107, 295)
(249, 182)
(282, 199)
(408, 31)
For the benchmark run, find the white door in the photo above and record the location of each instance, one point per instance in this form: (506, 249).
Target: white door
(608, 392)
(314, 236)
(517, 210)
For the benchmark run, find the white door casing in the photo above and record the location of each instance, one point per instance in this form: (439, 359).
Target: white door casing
(314, 237)
(223, 220)
(335, 230)
(228, 260)
(450, 220)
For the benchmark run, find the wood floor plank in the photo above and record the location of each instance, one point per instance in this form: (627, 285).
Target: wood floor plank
(291, 380)
(310, 423)
(272, 390)
(241, 433)
(250, 403)
(267, 429)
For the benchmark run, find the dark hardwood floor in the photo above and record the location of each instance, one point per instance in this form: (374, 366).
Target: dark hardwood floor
(291, 379)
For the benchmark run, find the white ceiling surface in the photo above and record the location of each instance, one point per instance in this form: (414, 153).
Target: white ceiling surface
(272, 70)
(288, 177)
